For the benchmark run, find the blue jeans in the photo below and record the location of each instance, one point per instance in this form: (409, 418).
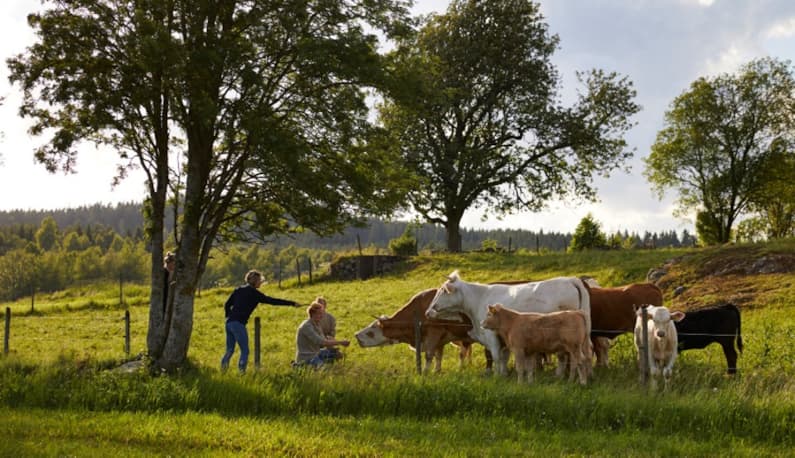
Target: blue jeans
(236, 333)
(326, 354)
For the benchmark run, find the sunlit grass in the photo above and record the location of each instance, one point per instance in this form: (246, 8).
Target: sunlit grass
(61, 396)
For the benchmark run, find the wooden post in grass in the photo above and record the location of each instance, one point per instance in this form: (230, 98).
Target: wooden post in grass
(32, 296)
(644, 348)
(8, 330)
(310, 269)
(127, 332)
(256, 343)
(298, 269)
(418, 339)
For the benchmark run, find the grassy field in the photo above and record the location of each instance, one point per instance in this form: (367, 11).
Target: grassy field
(59, 394)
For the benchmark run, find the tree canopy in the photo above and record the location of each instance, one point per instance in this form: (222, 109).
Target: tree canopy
(250, 115)
(478, 117)
(717, 142)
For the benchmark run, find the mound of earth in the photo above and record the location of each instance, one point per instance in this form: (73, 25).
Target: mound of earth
(723, 274)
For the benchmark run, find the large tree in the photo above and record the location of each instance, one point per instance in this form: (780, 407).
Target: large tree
(717, 139)
(479, 119)
(263, 98)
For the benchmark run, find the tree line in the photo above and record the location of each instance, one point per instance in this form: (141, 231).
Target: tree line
(47, 257)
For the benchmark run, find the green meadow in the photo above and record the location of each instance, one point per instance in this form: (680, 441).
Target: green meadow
(61, 393)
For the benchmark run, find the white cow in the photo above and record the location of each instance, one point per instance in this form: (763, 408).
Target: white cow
(663, 340)
(472, 299)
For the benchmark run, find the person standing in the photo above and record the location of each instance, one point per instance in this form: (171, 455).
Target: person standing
(312, 347)
(238, 308)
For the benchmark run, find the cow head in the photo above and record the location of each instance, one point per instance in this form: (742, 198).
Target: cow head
(492, 320)
(373, 335)
(447, 298)
(662, 319)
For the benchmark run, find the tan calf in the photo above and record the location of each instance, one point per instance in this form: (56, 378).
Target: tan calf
(529, 334)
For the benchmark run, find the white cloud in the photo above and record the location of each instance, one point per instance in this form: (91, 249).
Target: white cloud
(782, 29)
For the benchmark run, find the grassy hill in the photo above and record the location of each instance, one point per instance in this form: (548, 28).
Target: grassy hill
(60, 396)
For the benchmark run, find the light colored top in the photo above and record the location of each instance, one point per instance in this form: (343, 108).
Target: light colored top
(328, 324)
(308, 341)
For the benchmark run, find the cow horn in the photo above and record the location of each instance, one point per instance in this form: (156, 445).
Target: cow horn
(376, 317)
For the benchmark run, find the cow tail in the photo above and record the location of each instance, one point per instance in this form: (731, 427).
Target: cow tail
(739, 334)
(585, 301)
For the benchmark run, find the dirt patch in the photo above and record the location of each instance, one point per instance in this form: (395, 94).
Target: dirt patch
(721, 275)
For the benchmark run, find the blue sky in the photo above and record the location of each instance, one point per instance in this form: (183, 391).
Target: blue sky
(661, 45)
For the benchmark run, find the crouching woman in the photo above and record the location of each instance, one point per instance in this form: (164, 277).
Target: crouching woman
(312, 347)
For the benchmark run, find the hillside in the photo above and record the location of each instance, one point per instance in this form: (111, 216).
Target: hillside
(749, 275)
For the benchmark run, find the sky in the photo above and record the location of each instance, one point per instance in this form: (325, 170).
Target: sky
(661, 45)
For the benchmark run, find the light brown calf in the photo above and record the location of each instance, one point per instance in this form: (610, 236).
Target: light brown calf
(564, 333)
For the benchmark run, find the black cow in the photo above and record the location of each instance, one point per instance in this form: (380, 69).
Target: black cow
(719, 324)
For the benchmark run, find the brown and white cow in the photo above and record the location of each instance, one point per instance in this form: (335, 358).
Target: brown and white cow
(613, 312)
(663, 341)
(529, 334)
(399, 328)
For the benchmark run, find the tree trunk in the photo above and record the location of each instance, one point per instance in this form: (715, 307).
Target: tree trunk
(453, 235)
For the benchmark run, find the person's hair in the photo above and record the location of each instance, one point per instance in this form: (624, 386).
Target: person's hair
(169, 257)
(314, 307)
(253, 277)
(321, 300)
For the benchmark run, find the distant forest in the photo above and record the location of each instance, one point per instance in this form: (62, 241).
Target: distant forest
(126, 219)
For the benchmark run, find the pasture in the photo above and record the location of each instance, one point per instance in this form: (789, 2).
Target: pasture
(59, 394)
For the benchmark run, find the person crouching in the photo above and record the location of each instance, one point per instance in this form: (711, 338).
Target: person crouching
(312, 347)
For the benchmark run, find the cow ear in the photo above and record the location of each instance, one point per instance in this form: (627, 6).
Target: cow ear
(677, 316)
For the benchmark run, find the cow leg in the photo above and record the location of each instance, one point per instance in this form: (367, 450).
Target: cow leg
(601, 346)
(492, 343)
(528, 365)
(434, 348)
(560, 371)
(731, 356)
(574, 364)
(489, 359)
(464, 353)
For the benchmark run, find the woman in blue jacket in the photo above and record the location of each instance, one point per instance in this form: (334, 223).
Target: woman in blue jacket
(238, 308)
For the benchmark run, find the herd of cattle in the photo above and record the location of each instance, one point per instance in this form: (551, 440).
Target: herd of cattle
(570, 317)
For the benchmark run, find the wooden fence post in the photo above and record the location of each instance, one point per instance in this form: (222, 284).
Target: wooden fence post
(127, 332)
(644, 349)
(32, 296)
(310, 269)
(418, 339)
(8, 330)
(298, 269)
(256, 343)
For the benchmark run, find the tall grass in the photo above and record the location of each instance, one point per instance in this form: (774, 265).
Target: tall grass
(59, 381)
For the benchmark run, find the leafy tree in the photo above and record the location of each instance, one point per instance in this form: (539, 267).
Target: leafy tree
(477, 115)
(774, 201)
(405, 245)
(47, 235)
(264, 96)
(717, 137)
(588, 235)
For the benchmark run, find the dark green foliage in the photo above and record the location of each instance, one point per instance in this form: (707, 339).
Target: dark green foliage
(588, 236)
(474, 113)
(405, 245)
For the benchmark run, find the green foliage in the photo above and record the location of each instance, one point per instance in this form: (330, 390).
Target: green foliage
(47, 235)
(474, 112)
(774, 201)
(717, 139)
(588, 235)
(405, 245)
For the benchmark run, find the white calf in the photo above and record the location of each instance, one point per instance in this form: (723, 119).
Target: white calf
(662, 340)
